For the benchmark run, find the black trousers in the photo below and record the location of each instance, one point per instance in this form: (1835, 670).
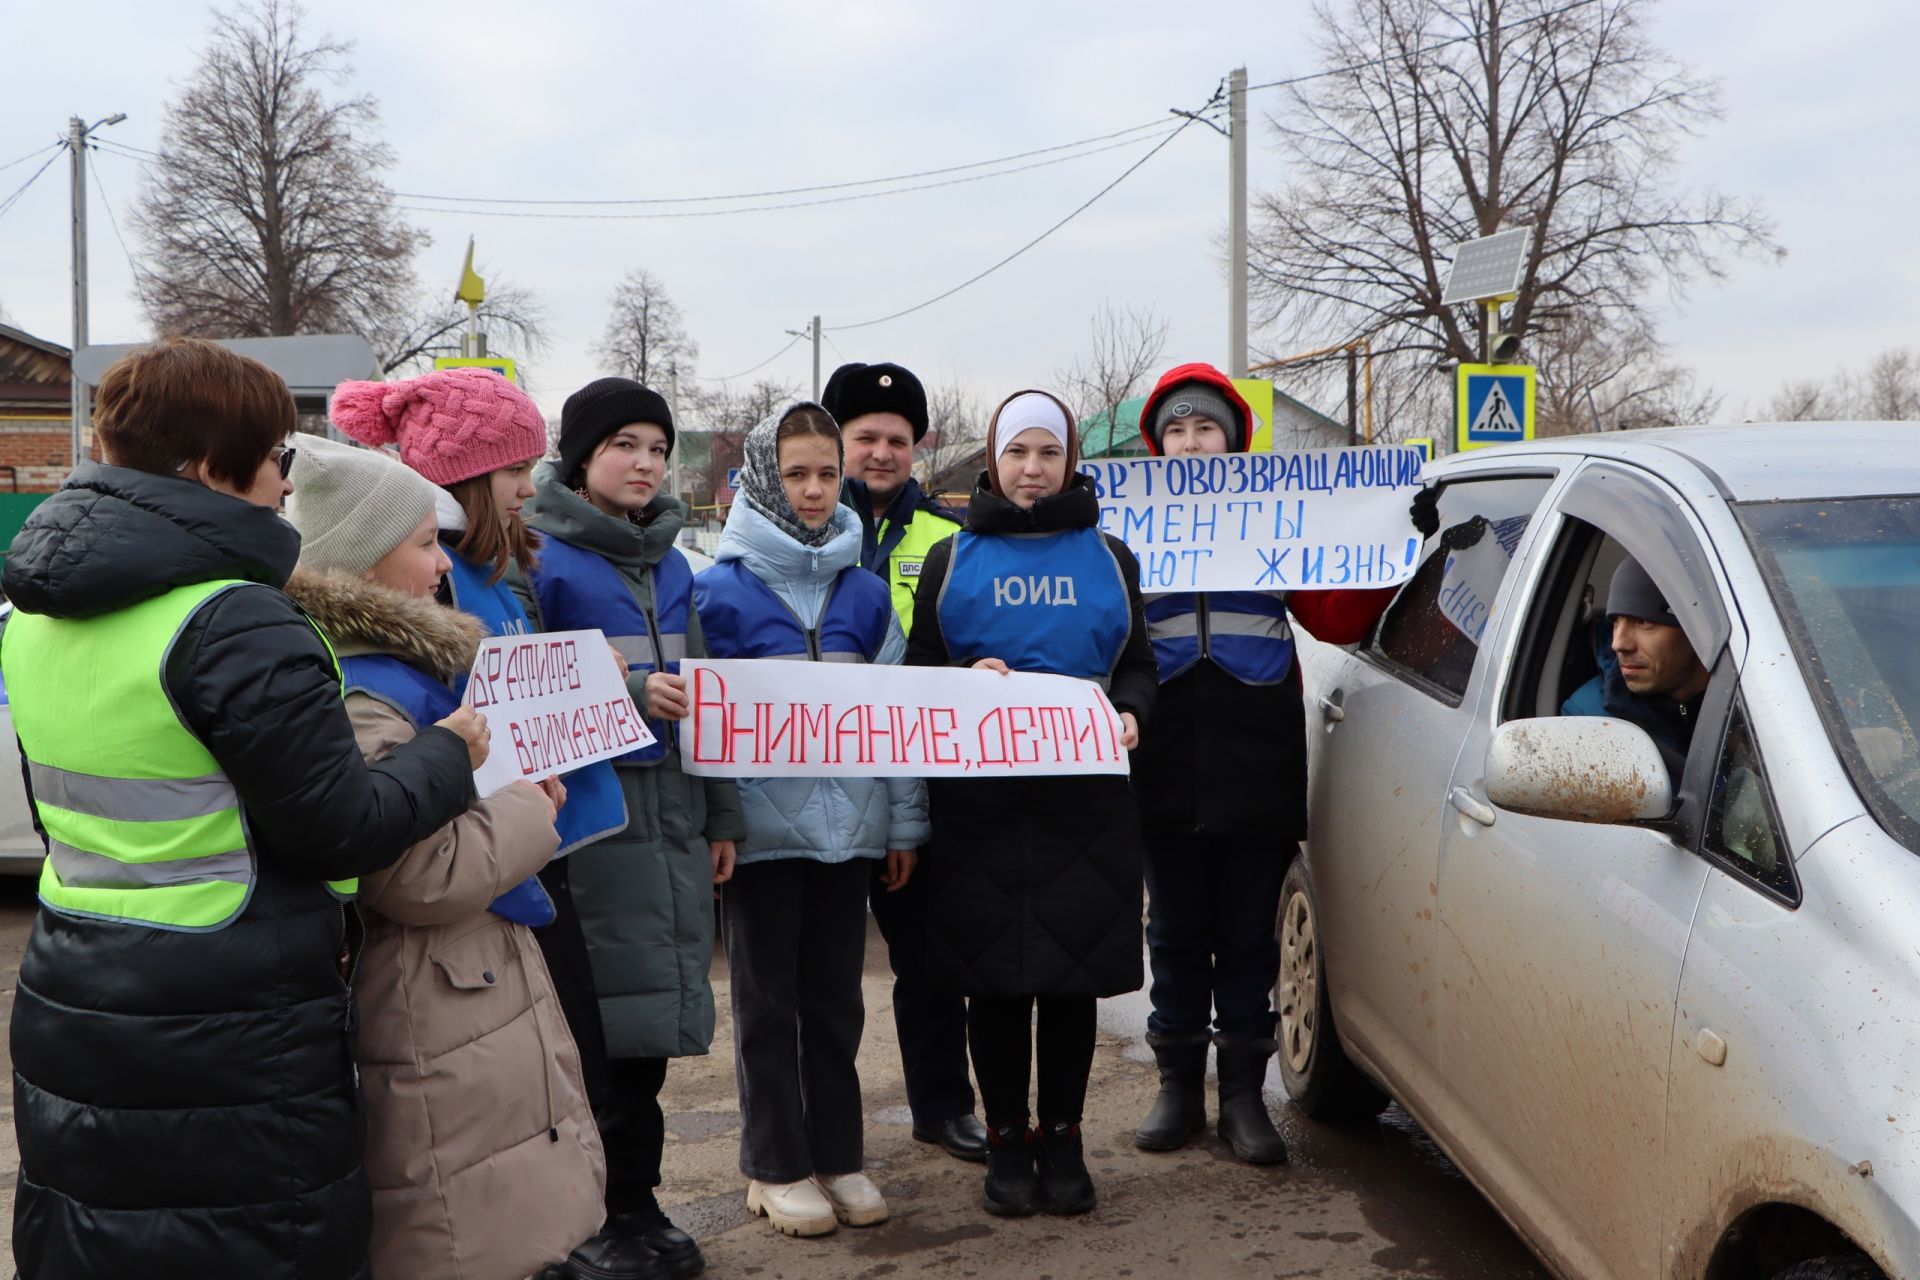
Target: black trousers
(796, 943)
(1211, 909)
(1007, 1037)
(633, 1130)
(931, 1024)
(564, 945)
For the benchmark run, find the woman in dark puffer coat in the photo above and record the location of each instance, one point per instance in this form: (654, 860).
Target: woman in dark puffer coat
(184, 1088)
(1035, 881)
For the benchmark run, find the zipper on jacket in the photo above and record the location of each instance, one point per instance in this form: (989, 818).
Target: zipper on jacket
(660, 661)
(813, 632)
(1206, 632)
(349, 912)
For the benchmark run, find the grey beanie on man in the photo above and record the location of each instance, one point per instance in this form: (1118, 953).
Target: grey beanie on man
(352, 505)
(1634, 594)
(1191, 399)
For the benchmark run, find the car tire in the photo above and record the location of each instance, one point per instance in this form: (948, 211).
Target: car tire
(1319, 1078)
(1837, 1266)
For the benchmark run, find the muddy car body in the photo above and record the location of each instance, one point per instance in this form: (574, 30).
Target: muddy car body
(1667, 1023)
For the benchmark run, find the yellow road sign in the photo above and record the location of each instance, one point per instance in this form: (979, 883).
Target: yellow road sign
(499, 364)
(1258, 393)
(1492, 404)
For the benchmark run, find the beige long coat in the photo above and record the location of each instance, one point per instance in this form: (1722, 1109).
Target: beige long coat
(481, 1146)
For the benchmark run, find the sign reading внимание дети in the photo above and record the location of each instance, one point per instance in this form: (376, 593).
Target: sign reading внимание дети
(762, 718)
(1264, 521)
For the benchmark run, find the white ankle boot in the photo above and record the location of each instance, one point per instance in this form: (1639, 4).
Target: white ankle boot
(794, 1208)
(856, 1201)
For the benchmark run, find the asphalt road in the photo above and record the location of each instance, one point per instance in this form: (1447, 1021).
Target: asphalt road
(1378, 1201)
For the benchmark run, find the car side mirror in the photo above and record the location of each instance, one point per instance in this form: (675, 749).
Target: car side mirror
(1578, 769)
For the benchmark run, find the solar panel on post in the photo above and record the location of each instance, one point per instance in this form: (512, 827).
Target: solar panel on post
(1488, 268)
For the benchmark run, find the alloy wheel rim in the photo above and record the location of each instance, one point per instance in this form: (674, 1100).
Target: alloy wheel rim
(1299, 982)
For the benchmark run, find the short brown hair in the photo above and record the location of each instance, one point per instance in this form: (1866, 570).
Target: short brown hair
(487, 540)
(184, 400)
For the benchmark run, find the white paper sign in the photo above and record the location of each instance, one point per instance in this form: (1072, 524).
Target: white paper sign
(1472, 575)
(767, 718)
(555, 701)
(1313, 518)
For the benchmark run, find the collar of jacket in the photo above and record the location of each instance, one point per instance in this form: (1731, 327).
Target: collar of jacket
(365, 617)
(556, 509)
(773, 557)
(113, 537)
(1074, 507)
(895, 519)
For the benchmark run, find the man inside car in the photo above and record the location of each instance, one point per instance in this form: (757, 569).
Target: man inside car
(1649, 675)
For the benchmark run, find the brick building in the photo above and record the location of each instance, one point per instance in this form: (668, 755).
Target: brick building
(36, 415)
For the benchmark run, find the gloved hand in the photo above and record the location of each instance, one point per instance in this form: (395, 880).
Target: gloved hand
(1425, 510)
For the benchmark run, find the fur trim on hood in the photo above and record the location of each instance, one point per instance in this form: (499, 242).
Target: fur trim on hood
(358, 614)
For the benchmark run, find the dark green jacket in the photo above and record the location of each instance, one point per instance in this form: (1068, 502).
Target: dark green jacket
(645, 895)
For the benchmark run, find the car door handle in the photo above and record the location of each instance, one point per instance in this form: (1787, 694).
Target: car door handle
(1329, 704)
(1462, 799)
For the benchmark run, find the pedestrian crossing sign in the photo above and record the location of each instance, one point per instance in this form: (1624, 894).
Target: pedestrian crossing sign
(1493, 404)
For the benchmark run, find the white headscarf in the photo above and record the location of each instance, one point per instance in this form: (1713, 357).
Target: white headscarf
(1023, 413)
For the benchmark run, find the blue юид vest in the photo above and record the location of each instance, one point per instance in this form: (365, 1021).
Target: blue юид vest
(1054, 603)
(742, 617)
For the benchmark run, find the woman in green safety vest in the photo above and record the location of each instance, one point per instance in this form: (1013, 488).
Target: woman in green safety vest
(184, 1090)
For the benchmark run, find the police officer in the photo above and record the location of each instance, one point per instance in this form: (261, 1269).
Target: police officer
(882, 411)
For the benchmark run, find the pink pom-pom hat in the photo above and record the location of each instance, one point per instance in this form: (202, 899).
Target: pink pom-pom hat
(451, 424)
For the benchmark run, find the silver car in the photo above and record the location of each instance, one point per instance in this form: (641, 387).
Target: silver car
(1668, 1023)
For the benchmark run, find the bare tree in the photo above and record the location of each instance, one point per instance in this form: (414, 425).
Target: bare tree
(956, 429)
(1888, 391)
(266, 213)
(1125, 348)
(718, 418)
(646, 334)
(1445, 120)
(1594, 378)
(513, 319)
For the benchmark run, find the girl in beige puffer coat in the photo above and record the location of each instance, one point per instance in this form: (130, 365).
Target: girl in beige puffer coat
(482, 1151)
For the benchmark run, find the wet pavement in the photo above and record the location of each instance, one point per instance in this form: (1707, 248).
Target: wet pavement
(1379, 1200)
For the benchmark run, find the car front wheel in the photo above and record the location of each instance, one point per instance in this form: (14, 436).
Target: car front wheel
(1318, 1076)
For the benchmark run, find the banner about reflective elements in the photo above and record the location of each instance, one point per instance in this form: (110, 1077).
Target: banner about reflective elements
(555, 700)
(1314, 518)
(763, 718)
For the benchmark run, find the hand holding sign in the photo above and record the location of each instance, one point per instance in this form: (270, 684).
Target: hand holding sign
(471, 728)
(556, 704)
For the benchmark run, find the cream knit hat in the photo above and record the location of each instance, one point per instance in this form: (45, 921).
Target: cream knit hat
(352, 505)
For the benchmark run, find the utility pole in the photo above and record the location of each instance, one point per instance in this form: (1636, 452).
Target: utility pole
(82, 402)
(1237, 223)
(816, 359)
(673, 403)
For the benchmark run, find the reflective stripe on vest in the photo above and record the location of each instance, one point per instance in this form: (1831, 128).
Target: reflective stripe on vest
(1244, 633)
(142, 825)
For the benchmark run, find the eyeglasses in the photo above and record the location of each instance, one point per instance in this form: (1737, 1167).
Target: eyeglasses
(286, 461)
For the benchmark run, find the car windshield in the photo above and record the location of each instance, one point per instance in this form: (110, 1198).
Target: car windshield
(1845, 574)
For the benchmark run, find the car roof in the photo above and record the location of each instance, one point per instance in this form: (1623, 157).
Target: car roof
(1762, 462)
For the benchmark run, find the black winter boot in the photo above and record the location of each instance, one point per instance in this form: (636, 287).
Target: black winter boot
(1244, 1123)
(610, 1255)
(1013, 1189)
(1181, 1109)
(1065, 1185)
(649, 1225)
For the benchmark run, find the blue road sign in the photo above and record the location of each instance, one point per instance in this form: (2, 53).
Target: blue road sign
(1495, 405)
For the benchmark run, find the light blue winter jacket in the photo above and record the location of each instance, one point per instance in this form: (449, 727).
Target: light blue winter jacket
(826, 819)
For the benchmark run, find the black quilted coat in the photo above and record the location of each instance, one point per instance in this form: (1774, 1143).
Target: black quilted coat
(186, 1103)
(1035, 882)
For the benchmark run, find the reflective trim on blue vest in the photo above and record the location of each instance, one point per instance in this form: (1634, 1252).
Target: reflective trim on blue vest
(1244, 633)
(595, 807)
(581, 590)
(741, 617)
(1052, 603)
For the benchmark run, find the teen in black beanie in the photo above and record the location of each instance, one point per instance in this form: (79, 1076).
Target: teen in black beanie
(601, 408)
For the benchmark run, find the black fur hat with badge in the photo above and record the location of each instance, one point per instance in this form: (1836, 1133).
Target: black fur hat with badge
(856, 389)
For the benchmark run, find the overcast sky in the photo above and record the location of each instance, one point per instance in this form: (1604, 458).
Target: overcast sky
(572, 99)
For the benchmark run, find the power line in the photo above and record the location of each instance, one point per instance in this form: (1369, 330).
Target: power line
(799, 191)
(13, 199)
(1432, 48)
(758, 367)
(51, 146)
(139, 277)
(766, 208)
(975, 279)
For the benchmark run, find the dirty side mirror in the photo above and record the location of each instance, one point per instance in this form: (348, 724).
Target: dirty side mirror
(1578, 769)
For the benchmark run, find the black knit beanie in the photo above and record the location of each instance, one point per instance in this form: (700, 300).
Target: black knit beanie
(857, 388)
(601, 408)
(1634, 595)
